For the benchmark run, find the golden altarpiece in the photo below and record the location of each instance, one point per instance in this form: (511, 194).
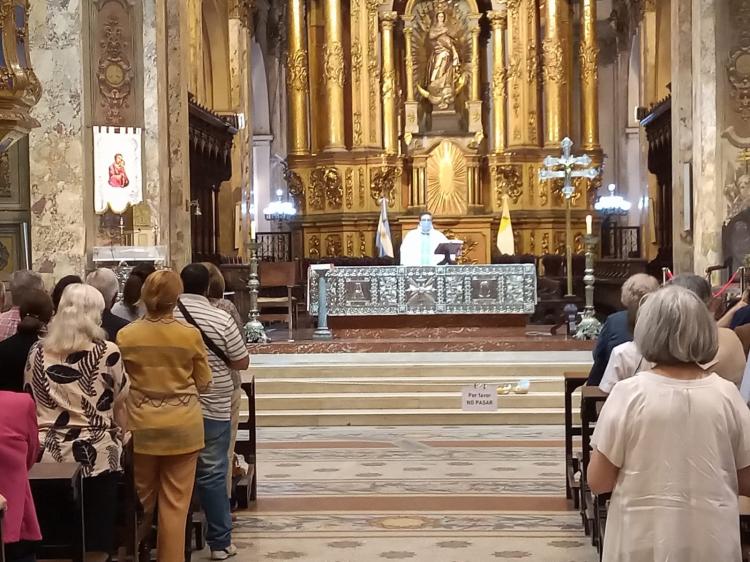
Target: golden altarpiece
(439, 105)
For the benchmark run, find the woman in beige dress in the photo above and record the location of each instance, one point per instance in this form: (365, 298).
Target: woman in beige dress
(673, 444)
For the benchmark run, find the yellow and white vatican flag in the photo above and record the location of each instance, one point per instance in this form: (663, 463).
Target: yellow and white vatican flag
(505, 232)
(383, 240)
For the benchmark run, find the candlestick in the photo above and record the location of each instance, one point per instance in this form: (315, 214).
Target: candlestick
(254, 332)
(589, 326)
(589, 220)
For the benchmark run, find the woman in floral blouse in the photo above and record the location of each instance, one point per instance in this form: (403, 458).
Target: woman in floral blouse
(78, 382)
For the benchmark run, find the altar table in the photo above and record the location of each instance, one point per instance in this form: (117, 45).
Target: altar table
(459, 292)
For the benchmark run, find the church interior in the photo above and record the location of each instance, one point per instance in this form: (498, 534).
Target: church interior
(428, 215)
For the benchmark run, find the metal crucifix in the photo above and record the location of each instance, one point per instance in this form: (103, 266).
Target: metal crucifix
(568, 167)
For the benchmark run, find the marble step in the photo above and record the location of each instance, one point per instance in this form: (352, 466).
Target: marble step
(325, 385)
(397, 401)
(507, 416)
(447, 369)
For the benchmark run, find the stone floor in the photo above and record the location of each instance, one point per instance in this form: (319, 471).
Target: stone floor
(437, 494)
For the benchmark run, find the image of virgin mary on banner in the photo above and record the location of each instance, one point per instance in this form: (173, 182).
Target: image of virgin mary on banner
(117, 169)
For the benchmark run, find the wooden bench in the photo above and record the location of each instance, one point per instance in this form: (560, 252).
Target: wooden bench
(58, 499)
(573, 381)
(591, 400)
(247, 488)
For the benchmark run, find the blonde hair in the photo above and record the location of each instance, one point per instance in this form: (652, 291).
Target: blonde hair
(635, 287)
(160, 291)
(216, 283)
(78, 320)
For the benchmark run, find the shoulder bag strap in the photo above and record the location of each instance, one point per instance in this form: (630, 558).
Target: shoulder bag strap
(210, 344)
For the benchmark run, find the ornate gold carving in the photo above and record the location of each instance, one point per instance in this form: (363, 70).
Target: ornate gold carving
(357, 128)
(356, 61)
(295, 187)
(736, 191)
(333, 63)
(349, 245)
(559, 243)
(543, 193)
(517, 241)
(6, 187)
(389, 83)
(349, 187)
(513, 6)
(578, 243)
(508, 181)
(325, 184)
(314, 247)
(545, 243)
(532, 242)
(296, 65)
(532, 127)
(554, 69)
(362, 244)
(361, 174)
(499, 75)
(383, 184)
(588, 57)
(532, 63)
(372, 66)
(333, 245)
(447, 179)
(114, 74)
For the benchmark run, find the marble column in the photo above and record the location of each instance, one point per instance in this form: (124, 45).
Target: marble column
(588, 58)
(196, 83)
(60, 202)
(297, 79)
(498, 21)
(172, 65)
(390, 117)
(333, 74)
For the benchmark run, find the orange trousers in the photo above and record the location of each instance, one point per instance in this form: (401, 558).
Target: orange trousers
(168, 482)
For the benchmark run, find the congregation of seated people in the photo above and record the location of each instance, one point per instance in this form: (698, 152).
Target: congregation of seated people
(86, 374)
(672, 441)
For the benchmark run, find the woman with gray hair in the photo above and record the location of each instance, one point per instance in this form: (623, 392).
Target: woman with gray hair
(673, 443)
(618, 328)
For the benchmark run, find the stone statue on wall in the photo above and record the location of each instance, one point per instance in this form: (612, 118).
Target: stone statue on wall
(442, 52)
(444, 77)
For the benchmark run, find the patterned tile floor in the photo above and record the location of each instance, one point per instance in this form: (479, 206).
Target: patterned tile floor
(437, 494)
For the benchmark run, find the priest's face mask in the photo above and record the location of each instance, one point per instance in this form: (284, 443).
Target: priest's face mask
(425, 224)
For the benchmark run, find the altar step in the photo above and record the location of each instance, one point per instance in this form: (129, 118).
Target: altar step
(408, 388)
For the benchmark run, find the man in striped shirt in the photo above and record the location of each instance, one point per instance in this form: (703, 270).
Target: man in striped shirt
(226, 350)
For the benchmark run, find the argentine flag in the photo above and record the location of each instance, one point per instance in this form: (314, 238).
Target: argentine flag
(505, 233)
(383, 237)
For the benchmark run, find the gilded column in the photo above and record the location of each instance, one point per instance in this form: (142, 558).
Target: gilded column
(411, 106)
(555, 74)
(498, 21)
(514, 74)
(297, 79)
(589, 64)
(333, 74)
(390, 124)
(476, 93)
(358, 19)
(531, 95)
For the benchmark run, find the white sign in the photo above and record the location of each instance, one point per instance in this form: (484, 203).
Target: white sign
(117, 168)
(479, 398)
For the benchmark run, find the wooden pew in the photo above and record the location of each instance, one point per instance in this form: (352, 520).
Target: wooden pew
(591, 400)
(573, 380)
(247, 489)
(58, 499)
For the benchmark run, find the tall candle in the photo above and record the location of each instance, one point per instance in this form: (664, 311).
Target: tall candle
(589, 220)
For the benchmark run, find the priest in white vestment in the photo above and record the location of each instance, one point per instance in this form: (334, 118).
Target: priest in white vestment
(418, 246)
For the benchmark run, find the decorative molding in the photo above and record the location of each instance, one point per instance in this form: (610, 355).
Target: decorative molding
(383, 184)
(349, 187)
(508, 181)
(362, 244)
(350, 245)
(361, 174)
(114, 73)
(314, 247)
(356, 62)
(333, 245)
(296, 66)
(588, 57)
(326, 188)
(738, 74)
(357, 128)
(333, 63)
(294, 186)
(554, 68)
(6, 185)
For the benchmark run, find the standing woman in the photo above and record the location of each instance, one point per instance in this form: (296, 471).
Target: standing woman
(36, 312)
(131, 306)
(77, 381)
(167, 365)
(673, 443)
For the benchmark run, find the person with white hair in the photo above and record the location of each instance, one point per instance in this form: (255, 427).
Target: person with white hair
(673, 443)
(618, 327)
(79, 385)
(21, 282)
(105, 281)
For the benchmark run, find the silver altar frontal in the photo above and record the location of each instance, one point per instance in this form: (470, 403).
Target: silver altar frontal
(442, 289)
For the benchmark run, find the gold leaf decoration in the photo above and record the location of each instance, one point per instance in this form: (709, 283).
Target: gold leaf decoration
(296, 77)
(333, 63)
(447, 180)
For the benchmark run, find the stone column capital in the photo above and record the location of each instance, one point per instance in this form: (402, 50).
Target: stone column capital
(474, 22)
(388, 19)
(498, 19)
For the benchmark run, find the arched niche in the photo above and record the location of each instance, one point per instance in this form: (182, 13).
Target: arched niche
(412, 3)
